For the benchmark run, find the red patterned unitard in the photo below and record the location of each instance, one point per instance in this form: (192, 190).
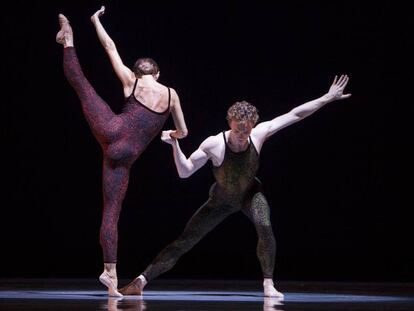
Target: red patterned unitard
(123, 138)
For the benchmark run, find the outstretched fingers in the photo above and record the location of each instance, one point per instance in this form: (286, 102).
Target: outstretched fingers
(335, 79)
(342, 85)
(344, 81)
(340, 80)
(339, 85)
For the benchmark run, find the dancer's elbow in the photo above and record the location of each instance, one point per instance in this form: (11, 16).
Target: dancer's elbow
(109, 46)
(184, 174)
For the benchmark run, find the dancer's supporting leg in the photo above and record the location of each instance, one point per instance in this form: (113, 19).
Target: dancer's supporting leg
(115, 183)
(258, 212)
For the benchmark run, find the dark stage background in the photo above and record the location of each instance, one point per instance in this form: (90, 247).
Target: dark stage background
(335, 181)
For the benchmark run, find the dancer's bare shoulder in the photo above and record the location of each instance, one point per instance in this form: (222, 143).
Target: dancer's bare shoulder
(153, 95)
(214, 147)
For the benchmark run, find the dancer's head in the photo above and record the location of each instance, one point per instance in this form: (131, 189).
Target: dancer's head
(242, 117)
(242, 112)
(146, 66)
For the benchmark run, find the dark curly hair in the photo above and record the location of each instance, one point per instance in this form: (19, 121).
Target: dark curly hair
(242, 111)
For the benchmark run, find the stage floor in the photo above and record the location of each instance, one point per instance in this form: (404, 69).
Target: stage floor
(75, 294)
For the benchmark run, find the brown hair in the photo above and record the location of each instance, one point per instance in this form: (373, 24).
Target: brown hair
(242, 111)
(145, 66)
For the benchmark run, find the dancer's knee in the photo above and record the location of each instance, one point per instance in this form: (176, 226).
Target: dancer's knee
(121, 154)
(185, 242)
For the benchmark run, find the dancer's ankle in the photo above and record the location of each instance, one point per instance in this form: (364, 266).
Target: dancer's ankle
(110, 269)
(143, 280)
(68, 44)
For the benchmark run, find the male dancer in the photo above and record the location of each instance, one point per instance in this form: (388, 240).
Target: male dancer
(235, 157)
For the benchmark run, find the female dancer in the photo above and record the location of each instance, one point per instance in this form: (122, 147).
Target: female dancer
(123, 137)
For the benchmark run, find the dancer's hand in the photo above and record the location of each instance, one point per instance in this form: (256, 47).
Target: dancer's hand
(336, 91)
(167, 138)
(98, 14)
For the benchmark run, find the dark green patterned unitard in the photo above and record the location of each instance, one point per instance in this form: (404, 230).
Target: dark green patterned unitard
(236, 188)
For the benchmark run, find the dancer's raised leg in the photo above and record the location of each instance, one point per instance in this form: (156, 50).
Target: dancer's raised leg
(65, 34)
(104, 123)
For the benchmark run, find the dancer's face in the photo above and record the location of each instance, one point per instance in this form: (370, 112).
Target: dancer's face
(240, 130)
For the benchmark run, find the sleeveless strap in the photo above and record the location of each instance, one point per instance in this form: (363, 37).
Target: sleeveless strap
(169, 97)
(133, 90)
(254, 147)
(224, 137)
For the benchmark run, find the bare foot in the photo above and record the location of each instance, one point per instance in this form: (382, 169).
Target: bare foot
(134, 288)
(110, 282)
(65, 34)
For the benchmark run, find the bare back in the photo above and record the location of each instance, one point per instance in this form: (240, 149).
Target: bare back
(151, 94)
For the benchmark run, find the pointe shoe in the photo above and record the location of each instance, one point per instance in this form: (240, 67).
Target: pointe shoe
(135, 288)
(111, 284)
(65, 34)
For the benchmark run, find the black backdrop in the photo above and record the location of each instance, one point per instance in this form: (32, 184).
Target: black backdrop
(335, 181)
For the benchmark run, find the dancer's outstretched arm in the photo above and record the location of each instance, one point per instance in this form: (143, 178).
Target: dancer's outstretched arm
(266, 129)
(186, 167)
(124, 74)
